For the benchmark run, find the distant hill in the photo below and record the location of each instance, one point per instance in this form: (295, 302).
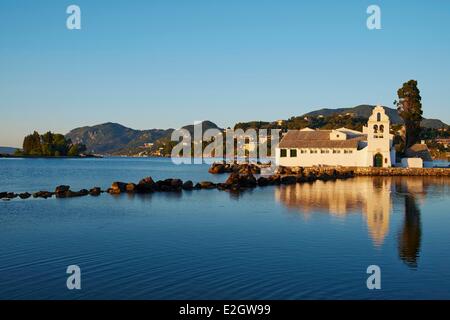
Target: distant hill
(7, 150)
(116, 139)
(112, 138)
(205, 126)
(433, 124)
(364, 111)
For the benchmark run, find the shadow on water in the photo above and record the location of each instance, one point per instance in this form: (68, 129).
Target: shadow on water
(410, 234)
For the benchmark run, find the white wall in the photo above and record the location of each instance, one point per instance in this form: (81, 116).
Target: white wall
(358, 158)
(329, 159)
(412, 163)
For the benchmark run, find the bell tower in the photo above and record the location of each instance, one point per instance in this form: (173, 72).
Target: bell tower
(379, 138)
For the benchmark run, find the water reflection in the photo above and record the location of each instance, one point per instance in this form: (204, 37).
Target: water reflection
(374, 198)
(410, 233)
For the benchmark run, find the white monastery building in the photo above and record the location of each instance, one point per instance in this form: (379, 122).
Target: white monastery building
(373, 147)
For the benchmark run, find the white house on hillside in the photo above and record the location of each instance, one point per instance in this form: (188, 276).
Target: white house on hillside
(341, 147)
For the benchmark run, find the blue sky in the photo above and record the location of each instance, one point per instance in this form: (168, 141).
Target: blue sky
(167, 63)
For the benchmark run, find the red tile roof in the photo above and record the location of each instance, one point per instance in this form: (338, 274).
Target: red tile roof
(317, 139)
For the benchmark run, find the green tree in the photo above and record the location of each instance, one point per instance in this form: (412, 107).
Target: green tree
(32, 144)
(27, 145)
(60, 145)
(409, 107)
(47, 144)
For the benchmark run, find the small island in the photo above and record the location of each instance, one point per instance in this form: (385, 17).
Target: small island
(49, 145)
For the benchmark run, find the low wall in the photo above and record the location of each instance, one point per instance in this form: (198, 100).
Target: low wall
(365, 171)
(402, 172)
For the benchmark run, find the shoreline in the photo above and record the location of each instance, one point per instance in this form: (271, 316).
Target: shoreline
(49, 157)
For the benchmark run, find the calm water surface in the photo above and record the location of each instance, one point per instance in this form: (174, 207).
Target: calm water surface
(308, 241)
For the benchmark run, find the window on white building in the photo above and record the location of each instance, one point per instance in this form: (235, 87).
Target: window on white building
(293, 153)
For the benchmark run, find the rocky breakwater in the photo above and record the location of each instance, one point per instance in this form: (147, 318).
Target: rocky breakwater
(61, 191)
(148, 185)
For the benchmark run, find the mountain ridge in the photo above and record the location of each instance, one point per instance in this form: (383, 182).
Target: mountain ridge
(365, 110)
(111, 138)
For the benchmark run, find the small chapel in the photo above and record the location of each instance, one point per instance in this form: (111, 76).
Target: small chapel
(373, 147)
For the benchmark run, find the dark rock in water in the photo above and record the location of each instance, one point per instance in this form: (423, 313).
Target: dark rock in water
(263, 181)
(247, 181)
(197, 186)
(245, 168)
(222, 186)
(217, 168)
(24, 195)
(43, 194)
(249, 169)
(238, 181)
(169, 185)
(146, 185)
(207, 185)
(11, 195)
(283, 170)
(159, 184)
(165, 188)
(288, 180)
(95, 191)
(176, 184)
(73, 194)
(83, 192)
(3, 195)
(61, 189)
(301, 178)
(233, 179)
(130, 187)
(324, 176)
(118, 187)
(188, 185)
(274, 179)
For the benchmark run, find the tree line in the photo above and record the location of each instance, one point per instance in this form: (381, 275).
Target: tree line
(50, 145)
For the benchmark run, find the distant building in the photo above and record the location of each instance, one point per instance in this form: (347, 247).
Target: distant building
(417, 156)
(373, 147)
(444, 142)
